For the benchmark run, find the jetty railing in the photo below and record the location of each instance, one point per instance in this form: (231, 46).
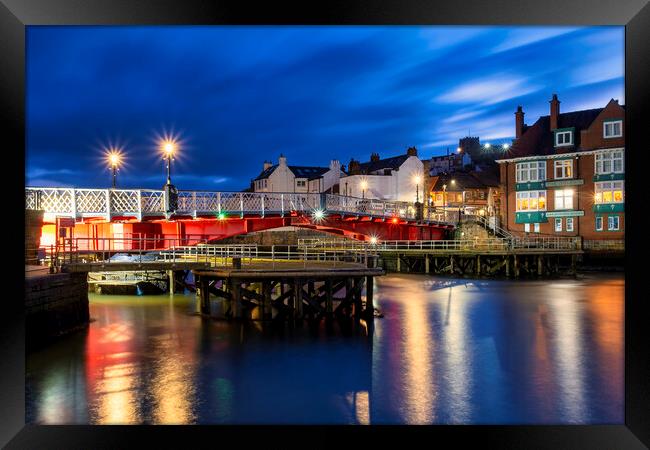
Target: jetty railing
(491, 244)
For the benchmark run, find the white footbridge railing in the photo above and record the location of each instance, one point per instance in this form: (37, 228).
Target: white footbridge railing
(140, 203)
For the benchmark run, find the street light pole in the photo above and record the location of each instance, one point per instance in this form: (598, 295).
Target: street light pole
(114, 161)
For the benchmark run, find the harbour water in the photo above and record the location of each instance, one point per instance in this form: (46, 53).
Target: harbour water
(447, 351)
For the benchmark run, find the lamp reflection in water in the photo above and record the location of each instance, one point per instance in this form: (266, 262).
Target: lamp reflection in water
(418, 349)
(455, 342)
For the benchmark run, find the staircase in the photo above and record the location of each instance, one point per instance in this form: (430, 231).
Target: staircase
(490, 226)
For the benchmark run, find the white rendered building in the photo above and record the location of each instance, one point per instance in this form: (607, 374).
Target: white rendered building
(284, 178)
(397, 178)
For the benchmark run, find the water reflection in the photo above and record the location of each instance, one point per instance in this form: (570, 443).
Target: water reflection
(447, 351)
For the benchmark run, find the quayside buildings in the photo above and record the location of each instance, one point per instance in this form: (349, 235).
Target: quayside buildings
(565, 174)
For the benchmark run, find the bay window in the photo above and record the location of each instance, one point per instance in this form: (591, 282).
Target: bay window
(563, 199)
(531, 171)
(609, 192)
(531, 201)
(610, 162)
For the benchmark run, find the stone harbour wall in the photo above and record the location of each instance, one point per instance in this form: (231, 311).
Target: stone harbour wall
(55, 304)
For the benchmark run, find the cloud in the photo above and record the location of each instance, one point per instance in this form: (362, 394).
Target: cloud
(522, 36)
(488, 91)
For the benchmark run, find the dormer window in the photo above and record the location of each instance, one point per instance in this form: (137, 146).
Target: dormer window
(563, 138)
(612, 129)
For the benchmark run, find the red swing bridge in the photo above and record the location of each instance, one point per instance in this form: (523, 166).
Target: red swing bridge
(133, 218)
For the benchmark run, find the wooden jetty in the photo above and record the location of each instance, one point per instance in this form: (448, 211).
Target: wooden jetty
(292, 290)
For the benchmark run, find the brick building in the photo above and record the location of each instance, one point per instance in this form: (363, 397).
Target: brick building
(565, 174)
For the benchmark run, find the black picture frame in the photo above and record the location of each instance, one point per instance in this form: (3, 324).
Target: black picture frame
(15, 15)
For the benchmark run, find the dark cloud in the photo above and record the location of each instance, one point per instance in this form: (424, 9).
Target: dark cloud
(241, 95)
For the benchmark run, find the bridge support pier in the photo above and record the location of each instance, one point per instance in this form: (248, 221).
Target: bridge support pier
(426, 264)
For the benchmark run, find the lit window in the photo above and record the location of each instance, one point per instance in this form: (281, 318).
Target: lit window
(564, 199)
(599, 223)
(531, 171)
(536, 229)
(558, 224)
(613, 129)
(609, 192)
(569, 223)
(563, 168)
(527, 227)
(609, 162)
(531, 201)
(612, 222)
(563, 138)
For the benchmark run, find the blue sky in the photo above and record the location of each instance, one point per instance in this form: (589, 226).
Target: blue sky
(237, 96)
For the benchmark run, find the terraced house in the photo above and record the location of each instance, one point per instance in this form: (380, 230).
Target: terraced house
(565, 174)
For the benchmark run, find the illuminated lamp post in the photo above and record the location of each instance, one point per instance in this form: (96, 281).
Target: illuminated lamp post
(364, 186)
(114, 159)
(168, 148)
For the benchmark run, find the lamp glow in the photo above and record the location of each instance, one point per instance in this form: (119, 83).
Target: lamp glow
(373, 240)
(459, 149)
(487, 145)
(506, 146)
(221, 216)
(318, 214)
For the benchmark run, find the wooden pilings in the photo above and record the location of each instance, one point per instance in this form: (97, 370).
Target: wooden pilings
(311, 296)
(482, 264)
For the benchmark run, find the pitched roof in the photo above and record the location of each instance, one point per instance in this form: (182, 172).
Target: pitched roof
(463, 181)
(386, 163)
(309, 172)
(538, 138)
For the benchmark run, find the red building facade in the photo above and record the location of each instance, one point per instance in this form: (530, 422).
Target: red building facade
(565, 174)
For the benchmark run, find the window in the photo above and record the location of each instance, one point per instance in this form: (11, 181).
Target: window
(613, 129)
(531, 171)
(612, 223)
(563, 138)
(569, 223)
(301, 183)
(563, 168)
(609, 192)
(531, 201)
(265, 180)
(610, 162)
(536, 227)
(558, 224)
(527, 227)
(563, 199)
(599, 223)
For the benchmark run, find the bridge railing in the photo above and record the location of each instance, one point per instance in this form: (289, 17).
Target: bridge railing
(77, 203)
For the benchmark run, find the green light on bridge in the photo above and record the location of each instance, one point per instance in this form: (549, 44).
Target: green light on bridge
(221, 216)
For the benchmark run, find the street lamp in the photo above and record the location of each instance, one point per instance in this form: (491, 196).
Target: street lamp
(506, 146)
(168, 147)
(364, 186)
(459, 149)
(114, 158)
(416, 180)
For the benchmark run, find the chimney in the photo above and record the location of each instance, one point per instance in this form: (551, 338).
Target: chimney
(335, 164)
(412, 151)
(282, 160)
(267, 164)
(374, 157)
(555, 111)
(353, 167)
(519, 122)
